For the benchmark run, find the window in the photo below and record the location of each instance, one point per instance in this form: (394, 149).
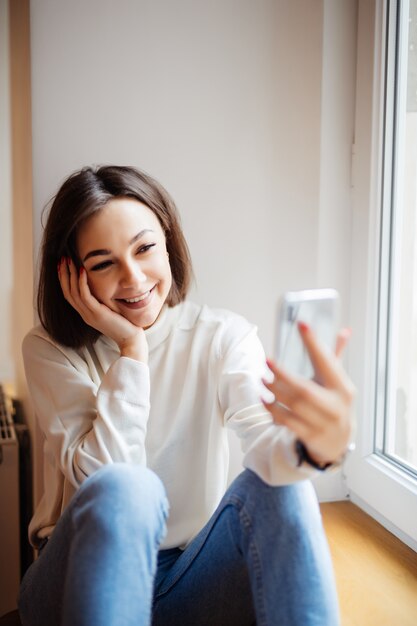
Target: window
(382, 474)
(396, 406)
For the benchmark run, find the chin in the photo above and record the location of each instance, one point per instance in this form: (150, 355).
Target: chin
(146, 319)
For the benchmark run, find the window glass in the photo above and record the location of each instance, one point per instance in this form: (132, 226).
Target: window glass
(397, 372)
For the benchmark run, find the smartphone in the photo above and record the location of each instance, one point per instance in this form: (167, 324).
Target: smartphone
(316, 307)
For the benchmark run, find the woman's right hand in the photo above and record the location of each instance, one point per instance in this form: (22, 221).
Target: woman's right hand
(131, 339)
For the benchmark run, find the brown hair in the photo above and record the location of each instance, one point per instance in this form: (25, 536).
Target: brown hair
(84, 193)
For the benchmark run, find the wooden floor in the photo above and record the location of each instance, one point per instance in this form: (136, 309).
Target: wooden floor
(376, 574)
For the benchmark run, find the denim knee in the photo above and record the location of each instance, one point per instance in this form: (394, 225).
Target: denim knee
(294, 505)
(120, 497)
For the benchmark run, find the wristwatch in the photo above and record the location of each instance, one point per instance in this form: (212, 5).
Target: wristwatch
(303, 456)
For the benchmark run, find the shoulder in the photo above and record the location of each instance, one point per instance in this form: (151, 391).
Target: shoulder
(39, 345)
(191, 314)
(37, 336)
(227, 327)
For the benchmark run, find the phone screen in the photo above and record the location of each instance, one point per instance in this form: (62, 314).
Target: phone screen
(318, 309)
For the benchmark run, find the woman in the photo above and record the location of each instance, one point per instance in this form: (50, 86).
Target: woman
(133, 387)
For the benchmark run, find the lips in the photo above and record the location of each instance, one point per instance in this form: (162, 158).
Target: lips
(137, 302)
(138, 299)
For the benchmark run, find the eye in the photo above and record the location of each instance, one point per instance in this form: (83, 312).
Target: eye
(145, 248)
(101, 266)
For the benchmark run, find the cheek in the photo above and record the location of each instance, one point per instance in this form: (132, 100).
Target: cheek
(162, 268)
(167, 272)
(98, 287)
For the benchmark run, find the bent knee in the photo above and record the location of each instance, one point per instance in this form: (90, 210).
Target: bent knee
(122, 501)
(125, 486)
(295, 502)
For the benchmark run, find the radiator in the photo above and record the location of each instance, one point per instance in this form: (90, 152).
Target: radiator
(9, 510)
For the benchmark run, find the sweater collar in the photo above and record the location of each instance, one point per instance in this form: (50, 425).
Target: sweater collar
(160, 329)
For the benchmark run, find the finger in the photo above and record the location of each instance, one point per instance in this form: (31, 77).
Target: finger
(64, 280)
(322, 442)
(342, 340)
(73, 274)
(305, 398)
(326, 366)
(291, 390)
(86, 296)
(83, 285)
(284, 417)
(284, 380)
(74, 286)
(77, 301)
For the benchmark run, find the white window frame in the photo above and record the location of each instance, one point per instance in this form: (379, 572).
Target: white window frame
(376, 485)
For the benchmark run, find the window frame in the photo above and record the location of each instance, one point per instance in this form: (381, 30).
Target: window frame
(377, 485)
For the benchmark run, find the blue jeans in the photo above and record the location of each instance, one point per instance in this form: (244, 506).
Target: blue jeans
(261, 559)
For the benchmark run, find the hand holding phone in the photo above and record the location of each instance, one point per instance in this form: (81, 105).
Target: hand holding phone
(314, 402)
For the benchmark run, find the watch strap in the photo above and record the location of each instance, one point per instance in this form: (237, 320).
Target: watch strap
(303, 456)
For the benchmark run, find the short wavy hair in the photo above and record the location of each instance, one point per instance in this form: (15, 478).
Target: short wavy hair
(82, 195)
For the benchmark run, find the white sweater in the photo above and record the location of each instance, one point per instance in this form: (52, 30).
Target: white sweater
(95, 407)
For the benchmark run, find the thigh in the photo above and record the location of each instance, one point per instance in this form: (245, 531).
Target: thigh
(209, 582)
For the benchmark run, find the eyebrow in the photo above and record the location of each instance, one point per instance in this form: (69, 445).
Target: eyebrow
(104, 252)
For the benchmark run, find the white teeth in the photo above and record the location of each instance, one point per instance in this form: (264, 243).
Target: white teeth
(138, 299)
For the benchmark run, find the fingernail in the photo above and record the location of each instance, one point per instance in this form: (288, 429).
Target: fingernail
(267, 397)
(81, 270)
(303, 327)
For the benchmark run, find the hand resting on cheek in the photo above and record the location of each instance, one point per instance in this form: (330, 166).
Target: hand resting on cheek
(130, 338)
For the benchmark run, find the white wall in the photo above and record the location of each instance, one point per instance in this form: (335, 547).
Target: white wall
(230, 105)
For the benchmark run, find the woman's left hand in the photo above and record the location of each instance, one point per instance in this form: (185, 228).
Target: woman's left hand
(318, 413)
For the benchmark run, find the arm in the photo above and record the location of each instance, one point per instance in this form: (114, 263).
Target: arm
(87, 424)
(90, 423)
(268, 442)
(269, 449)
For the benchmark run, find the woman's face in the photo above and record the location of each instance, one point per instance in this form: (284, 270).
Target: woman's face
(122, 248)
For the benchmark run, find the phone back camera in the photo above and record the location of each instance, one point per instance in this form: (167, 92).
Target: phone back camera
(291, 314)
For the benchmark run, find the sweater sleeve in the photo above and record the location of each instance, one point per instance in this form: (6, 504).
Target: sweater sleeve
(87, 425)
(269, 449)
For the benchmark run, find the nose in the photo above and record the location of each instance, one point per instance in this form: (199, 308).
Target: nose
(132, 274)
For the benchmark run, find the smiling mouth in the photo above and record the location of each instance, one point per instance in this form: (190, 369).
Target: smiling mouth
(137, 299)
